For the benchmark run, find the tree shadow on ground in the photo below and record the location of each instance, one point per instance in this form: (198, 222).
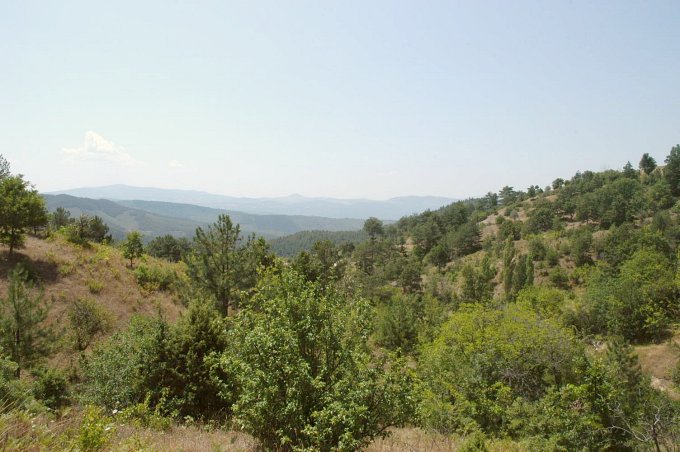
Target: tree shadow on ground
(40, 271)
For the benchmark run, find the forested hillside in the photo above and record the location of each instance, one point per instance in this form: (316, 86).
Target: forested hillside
(154, 219)
(538, 319)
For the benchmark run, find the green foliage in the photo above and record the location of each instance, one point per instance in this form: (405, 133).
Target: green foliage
(324, 263)
(509, 229)
(60, 218)
(546, 301)
(475, 442)
(133, 248)
(410, 279)
(21, 207)
(637, 304)
(292, 245)
(672, 170)
(142, 415)
(581, 242)
(477, 282)
(564, 419)
(220, 267)
(304, 376)
(537, 248)
(541, 219)
(161, 365)
(95, 286)
(14, 393)
(116, 370)
(396, 322)
(83, 230)
(374, 228)
(51, 388)
(464, 240)
(22, 313)
(169, 248)
(155, 277)
(4, 168)
(87, 319)
(483, 359)
(179, 377)
(95, 430)
(647, 163)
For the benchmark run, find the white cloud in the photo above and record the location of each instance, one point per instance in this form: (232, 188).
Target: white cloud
(96, 147)
(174, 164)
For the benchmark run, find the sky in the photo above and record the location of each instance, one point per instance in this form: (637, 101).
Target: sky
(347, 99)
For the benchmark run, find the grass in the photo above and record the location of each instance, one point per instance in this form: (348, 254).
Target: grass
(95, 286)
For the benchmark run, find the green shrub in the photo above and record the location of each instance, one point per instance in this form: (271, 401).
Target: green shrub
(537, 248)
(559, 278)
(95, 286)
(475, 442)
(153, 278)
(396, 322)
(51, 388)
(304, 376)
(95, 430)
(141, 415)
(14, 393)
(87, 319)
(484, 359)
(552, 257)
(115, 372)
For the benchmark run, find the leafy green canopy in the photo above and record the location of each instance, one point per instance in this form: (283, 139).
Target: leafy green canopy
(484, 359)
(21, 207)
(301, 373)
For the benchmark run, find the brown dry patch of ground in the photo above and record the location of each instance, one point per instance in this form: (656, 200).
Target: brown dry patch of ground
(658, 361)
(182, 439)
(68, 272)
(190, 439)
(414, 439)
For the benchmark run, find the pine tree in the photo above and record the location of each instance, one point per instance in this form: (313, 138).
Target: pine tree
(214, 264)
(22, 313)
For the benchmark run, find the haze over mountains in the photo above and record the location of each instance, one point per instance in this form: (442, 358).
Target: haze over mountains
(391, 209)
(155, 218)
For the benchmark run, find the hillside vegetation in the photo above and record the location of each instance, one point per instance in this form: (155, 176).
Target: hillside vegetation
(537, 319)
(155, 219)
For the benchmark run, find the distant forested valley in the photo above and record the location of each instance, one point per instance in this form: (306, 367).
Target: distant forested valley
(538, 318)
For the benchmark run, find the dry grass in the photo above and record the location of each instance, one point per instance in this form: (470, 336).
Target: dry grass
(69, 272)
(414, 439)
(658, 361)
(184, 439)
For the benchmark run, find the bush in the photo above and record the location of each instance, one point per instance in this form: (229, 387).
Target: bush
(14, 393)
(161, 365)
(552, 257)
(304, 376)
(116, 370)
(51, 388)
(155, 278)
(537, 248)
(95, 430)
(87, 320)
(484, 359)
(638, 303)
(559, 278)
(95, 286)
(396, 322)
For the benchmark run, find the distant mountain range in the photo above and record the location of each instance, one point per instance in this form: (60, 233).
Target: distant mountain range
(154, 218)
(391, 209)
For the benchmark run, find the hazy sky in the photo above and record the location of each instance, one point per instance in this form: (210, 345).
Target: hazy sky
(335, 98)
